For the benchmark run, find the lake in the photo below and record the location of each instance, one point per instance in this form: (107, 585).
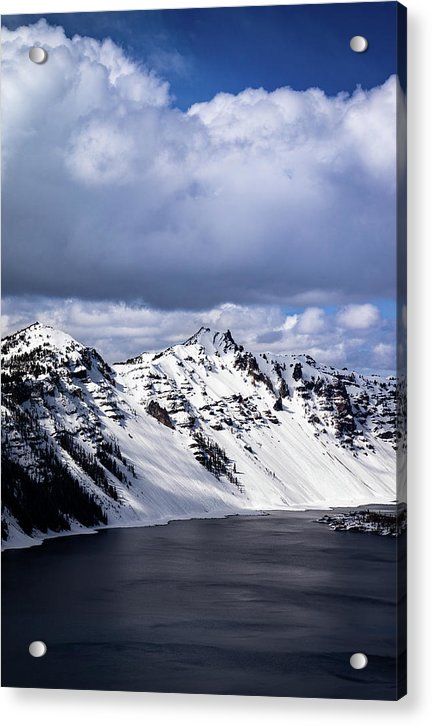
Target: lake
(268, 605)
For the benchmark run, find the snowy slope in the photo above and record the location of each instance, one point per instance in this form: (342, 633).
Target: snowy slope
(204, 428)
(60, 386)
(299, 433)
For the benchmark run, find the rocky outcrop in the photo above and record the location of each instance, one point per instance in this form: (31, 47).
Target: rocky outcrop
(247, 362)
(297, 372)
(278, 405)
(160, 414)
(344, 420)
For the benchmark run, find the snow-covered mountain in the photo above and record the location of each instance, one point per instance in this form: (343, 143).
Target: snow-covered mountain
(204, 428)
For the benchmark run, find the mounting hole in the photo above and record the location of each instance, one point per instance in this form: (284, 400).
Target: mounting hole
(38, 55)
(358, 661)
(359, 44)
(37, 648)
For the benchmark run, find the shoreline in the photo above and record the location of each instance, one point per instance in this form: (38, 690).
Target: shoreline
(40, 540)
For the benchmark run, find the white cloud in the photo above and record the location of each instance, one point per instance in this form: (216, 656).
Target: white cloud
(121, 330)
(358, 317)
(172, 61)
(257, 198)
(101, 154)
(311, 321)
(384, 355)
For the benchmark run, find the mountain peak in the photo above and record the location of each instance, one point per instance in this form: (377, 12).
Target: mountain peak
(197, 337)
(35, 327)
(214, 340)
(36, 335)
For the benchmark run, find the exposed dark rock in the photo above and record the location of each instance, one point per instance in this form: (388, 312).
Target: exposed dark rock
(279, 368)
(385, 435)
(160, 414)
(230, 342)
(318, 386)
(283, 389)
(278, 405)
(247, 362)
(81, 374)
(271, 417)
(345, 422)
(297, 372)
(304, 392)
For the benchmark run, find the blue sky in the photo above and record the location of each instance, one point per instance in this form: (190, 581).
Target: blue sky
(229, 49)
(232, 167)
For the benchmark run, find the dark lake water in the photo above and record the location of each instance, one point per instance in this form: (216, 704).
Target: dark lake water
(271, 605)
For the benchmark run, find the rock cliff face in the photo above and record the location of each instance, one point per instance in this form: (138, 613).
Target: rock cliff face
(203, 428)
(159, 413)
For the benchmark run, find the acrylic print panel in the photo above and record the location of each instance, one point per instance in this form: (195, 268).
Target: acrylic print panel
(203, 361)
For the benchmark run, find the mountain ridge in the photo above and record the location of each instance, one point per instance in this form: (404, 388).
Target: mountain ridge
(202, 428)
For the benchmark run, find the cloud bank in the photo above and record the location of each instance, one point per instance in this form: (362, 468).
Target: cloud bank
(110, 192)
(120, 331)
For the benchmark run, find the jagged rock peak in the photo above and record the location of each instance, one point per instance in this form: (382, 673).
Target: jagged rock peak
(213, 340)
(197, 337)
